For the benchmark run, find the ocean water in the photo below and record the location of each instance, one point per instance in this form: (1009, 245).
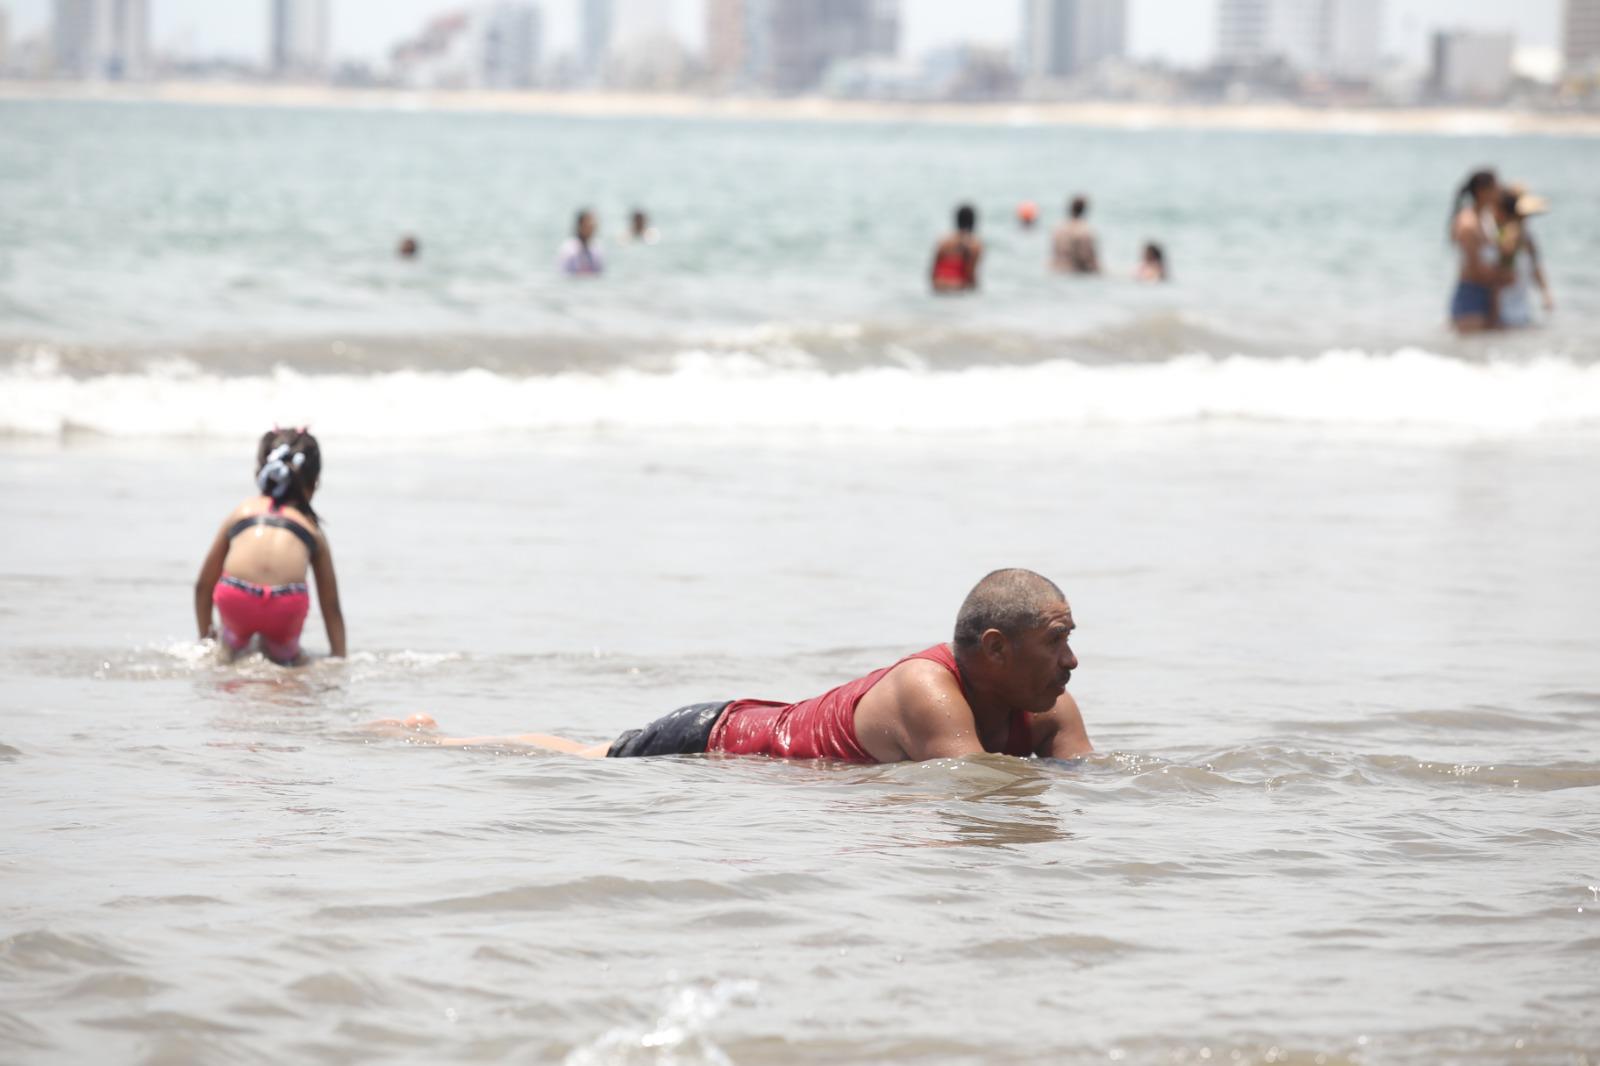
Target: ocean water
(1334, 572)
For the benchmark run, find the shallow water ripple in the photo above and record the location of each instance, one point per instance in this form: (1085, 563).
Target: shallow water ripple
(1306, 838)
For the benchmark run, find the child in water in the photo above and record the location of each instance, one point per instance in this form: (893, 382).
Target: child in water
(255, 572)
(1153, 264)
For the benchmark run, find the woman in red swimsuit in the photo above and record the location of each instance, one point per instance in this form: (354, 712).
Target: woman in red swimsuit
(255, 572)
(955, 260)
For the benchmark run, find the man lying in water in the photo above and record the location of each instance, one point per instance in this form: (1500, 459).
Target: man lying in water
(999, 686)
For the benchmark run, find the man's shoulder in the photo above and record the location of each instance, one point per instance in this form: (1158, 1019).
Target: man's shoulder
(918, 683)
(917, 699)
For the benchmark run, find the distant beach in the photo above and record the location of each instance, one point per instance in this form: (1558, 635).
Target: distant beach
(1102, 114)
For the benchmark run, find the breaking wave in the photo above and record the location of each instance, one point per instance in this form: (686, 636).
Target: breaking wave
(707, 390)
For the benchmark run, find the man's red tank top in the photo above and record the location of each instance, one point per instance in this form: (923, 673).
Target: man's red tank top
(824, 727)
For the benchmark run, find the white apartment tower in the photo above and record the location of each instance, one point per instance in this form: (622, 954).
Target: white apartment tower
(1471, 66)
(101, 38)
(1062, 38)
(787, 46)
(509, 38)
(1580, 39)
(635, 21)
(300, 38)
(1335, 37)
(594, 36)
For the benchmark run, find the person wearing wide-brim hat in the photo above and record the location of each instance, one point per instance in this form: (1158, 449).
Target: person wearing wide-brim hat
(1520, 256)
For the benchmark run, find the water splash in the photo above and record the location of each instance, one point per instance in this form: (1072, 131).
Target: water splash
(679, 1036)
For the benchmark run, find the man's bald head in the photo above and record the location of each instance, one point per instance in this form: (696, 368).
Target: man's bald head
(1011, 601)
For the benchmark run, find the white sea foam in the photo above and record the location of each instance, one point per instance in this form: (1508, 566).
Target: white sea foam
(1405, 389)
(680, 1036)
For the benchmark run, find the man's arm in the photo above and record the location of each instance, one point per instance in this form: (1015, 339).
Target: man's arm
(1059, 733)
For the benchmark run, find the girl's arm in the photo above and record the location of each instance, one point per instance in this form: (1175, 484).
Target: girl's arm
(210, 571)
(328, 597)
(1538, 277)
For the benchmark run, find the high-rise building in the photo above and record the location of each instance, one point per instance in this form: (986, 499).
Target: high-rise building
(101, 38)
(594, 36)
(1337, 37)
(1255, 31)
(1354, 47)
(300, 38)
(509, 37)
(727, 43)
(644, 52)
(739, 42)
(1580, 43)
(790, 44)
(1472, 67)
(496, 46)
(1063, 38)
(73, 26)
(5, 39)
(636, 21)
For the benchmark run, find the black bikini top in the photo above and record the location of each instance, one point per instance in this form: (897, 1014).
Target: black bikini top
(307, 538)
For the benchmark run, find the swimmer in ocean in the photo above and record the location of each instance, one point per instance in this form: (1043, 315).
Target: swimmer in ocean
(580, 254)
(955, 259)
(999, 685)
(1074, 249)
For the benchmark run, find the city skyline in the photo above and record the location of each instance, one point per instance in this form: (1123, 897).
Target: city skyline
(1062, 38)
(1182, 32)
(299, 40)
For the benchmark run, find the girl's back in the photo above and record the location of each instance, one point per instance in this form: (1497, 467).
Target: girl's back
(255, 573)
(266, 553)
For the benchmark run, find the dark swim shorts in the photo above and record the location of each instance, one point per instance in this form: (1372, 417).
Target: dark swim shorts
(1471, 300)
(686, 731)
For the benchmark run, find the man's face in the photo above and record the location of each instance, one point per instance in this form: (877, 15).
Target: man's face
(1042, 661)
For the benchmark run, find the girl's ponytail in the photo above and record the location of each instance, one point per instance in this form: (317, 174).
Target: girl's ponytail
(288, 463)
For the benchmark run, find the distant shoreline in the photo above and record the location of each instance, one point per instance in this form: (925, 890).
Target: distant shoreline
(1105, 115)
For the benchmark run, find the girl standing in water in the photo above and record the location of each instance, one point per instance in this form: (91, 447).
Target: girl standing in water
(255, 572)
(1472, 229)
(1519, 258)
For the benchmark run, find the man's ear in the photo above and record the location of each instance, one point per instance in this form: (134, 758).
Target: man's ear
(993, 643)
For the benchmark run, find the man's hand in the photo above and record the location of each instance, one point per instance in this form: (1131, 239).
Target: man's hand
(1059, 732)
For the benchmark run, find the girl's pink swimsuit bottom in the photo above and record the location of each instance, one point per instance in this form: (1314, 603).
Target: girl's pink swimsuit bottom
(275, 614)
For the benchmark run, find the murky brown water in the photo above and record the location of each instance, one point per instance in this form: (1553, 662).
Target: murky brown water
(1345, 692)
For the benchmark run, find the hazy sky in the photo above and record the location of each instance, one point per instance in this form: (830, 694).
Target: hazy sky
(1182, 31)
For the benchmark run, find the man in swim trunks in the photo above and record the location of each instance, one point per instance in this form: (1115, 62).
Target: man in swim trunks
(999, 686)
(1074, 247)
